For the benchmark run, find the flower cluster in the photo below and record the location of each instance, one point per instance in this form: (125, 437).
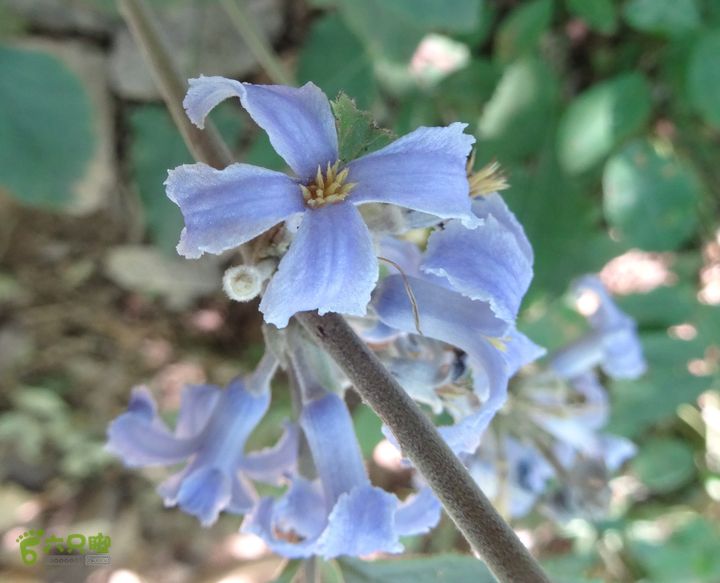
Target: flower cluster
(443, 320)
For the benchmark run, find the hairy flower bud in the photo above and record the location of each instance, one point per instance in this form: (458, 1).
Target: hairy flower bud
(243, 283)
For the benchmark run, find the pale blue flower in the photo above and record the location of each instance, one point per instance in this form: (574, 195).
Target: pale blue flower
(210, 434)
(341, 513)
(612, 343)
(331, 265)
(466, 291)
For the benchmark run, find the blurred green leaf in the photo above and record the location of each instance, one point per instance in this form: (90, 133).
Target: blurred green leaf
(662, 307)
(157, 146)
(560, 222)
(439, 568)
(688, 555)
(600, 119)
(521, 31)
(650, 197)
(357, 132)
(703, 81)
(392, 29)
(600, 15)
(664, 17)
(520, 113)
(465, 92)
(46, 135)
(368, 428)
(664, 464)
(335, 60)
(640, 404)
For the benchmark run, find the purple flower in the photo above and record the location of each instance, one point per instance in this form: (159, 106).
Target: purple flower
(612, 343)
(331, 265)
(341, 513)
(210, 434)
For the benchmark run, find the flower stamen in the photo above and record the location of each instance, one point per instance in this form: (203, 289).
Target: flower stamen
(490, 178)
(328, 187)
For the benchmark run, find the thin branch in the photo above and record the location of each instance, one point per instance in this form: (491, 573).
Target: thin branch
(244, 22)
(205, 145)
(490, 537)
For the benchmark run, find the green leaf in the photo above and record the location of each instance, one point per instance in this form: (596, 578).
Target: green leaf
(662, 307)
(600, 15)
(368, 428)
(600, 119)
(436, 569)
(664, 17)
(650, 197)
(703, 80)
(689, 554)
(465, 92)
(357, 132)
(520, 32)
(157, 146)
(638, 405)
(520, 114)
(46, 135)
(392, 29)
(335, 60)
(664, 464)
(561, 223)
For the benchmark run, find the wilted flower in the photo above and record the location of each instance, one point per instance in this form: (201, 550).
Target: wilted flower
(331, 265)
(210, 434)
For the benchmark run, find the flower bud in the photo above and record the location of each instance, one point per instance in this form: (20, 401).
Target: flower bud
(243, 283)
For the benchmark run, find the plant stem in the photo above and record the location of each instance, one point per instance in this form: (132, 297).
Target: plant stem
(205, 145)
(247, 27)
(489, 536)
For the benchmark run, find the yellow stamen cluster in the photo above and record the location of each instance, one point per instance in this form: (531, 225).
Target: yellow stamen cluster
(487, 180)
(328, 187)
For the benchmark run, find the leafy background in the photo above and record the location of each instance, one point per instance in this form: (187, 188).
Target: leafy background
(605, 116)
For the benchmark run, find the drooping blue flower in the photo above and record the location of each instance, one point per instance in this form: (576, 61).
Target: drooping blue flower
(210, 434)
(612, 342)
(466, 292)
(341, 513)
(331, 265)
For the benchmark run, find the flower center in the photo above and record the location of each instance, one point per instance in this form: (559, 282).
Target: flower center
(328, 187)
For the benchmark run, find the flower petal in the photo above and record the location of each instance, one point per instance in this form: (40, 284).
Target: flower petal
(452, 318)
(196, 407)
(330, 267)
(494, 205)
(403, 253)
(418, 514)
(291, 525)
(465, 435)
(299, 122)
(330, 434)
(242, 495)
(271, 464)
(362, 522)
(226, 208)
(423, 171)
(444, 314)
(204, 493)
(520, 351)
(485, 263)
(141, 440)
